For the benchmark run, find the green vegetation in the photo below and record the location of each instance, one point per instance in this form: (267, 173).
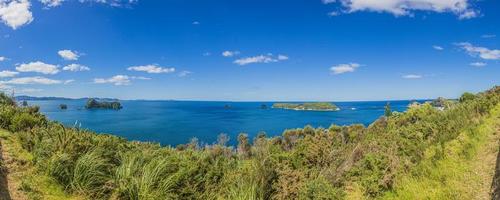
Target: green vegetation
(317, 106)
(468, 160)
(28, 179)
(93, 103)
(443, 103)
(423, 153)
(387, 110)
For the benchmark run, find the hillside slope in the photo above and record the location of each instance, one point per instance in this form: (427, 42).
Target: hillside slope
(465, 172)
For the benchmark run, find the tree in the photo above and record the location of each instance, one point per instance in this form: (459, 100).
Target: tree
(467, 97)
(388, 111)
(243, 145)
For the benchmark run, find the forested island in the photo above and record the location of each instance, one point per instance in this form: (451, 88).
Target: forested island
(423, 153)
(95, 104)
(313, 106)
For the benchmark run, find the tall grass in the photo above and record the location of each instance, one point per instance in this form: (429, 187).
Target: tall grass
(91, 174)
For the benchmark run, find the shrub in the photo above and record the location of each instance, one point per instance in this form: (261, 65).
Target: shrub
(23, 121)
(6, 100)
(6, 115)
(319, 188)
(466, 97)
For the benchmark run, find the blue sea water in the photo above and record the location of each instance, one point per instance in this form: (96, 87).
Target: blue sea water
(176, 122)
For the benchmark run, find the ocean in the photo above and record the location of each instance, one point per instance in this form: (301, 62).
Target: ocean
(176, 122)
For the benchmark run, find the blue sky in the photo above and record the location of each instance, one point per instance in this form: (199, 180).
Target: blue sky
(249, 50)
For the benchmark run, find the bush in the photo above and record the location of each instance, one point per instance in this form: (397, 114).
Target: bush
(466, 97)
(24, 121)
(6, 100)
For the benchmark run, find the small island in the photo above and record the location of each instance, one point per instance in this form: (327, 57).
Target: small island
(313, 106)
(94, 104)
(63, 106)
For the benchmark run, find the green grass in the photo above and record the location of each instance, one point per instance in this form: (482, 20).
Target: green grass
(458, 175)
(33, 184)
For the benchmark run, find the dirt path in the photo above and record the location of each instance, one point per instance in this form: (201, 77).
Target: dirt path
(9, 174)
(485, 163)
(4, 183)
(495, 184)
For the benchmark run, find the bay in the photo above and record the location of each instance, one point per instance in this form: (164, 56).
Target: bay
(176, 122)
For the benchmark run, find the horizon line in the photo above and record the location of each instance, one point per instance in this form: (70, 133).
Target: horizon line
(249, 101)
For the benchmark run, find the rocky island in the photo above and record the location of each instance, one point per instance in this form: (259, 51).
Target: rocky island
(94, 104)
(313, 106)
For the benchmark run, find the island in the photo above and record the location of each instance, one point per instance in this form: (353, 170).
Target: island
(94, 104)
(63, 106)
(312, 106)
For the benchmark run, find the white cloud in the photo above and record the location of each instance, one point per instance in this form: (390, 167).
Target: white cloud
(344, 68)
(75, 68)
(114, 3)
(412, 76)
(2, 58)
(439, 48)
(68, 54)
(140, 78)
(333, 13)
(15, 13)
(282, 57)
(230, 53)
(482, 52)
(39, 67)
(7, 73)
(478, 64)
(184, 73)
(255, 59)
(4, 86)
(32, 80)
(51, 3)
(69, 81)
(488, 36)
(152, 69)
(115, 80)
(462, 8)
(260, 59)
